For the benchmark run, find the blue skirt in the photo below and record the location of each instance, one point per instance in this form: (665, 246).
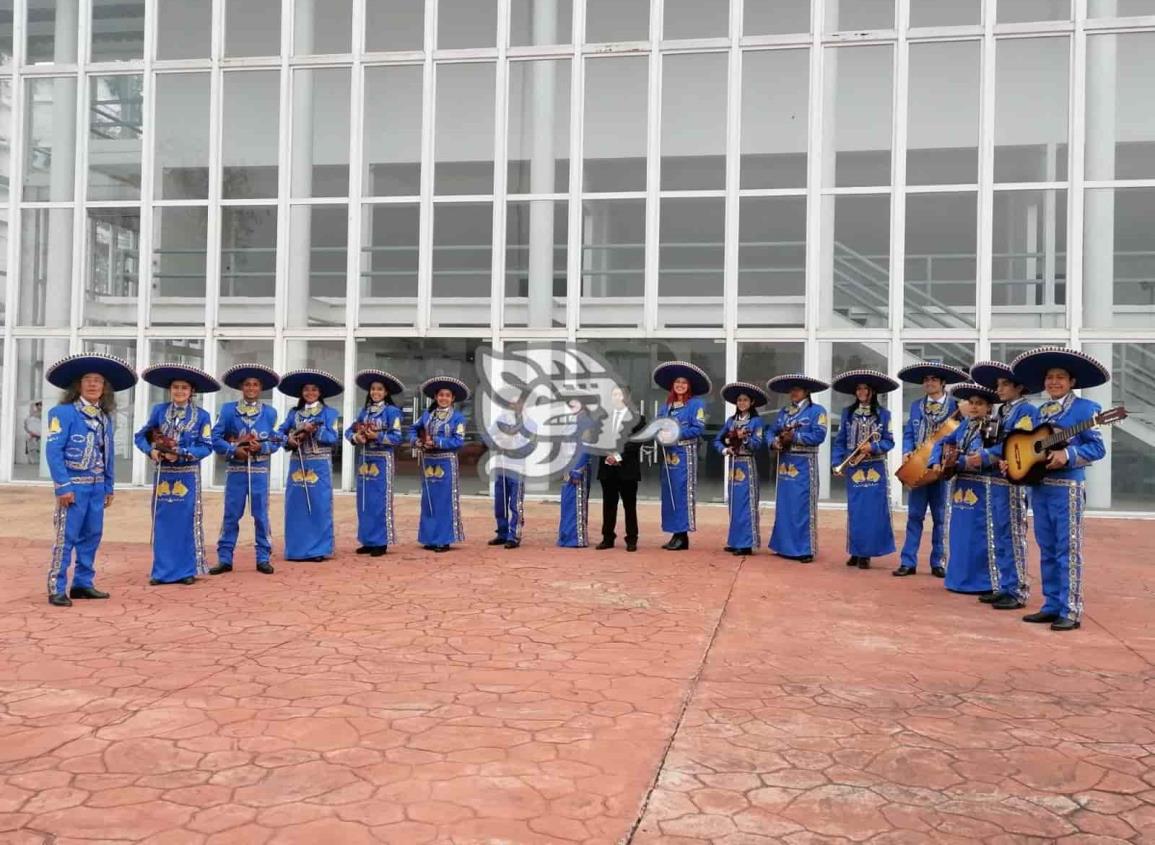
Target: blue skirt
(745, 523)
(971, 564)
(440, 523)
(309, 508)
(868, 530)
(178, 544)
(573, 527)
(679, 479)
(375, 499)
(795, 531)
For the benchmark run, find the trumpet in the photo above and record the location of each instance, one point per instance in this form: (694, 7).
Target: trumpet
(859, 454)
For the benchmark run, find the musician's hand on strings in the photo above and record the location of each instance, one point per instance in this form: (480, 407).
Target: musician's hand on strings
(974, 462)
(1057, 459)
(1004, 467)
(906, 457)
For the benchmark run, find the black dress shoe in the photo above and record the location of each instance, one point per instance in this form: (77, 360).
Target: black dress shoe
(729, 549)
(604, 544)
(631, 547)
(902, 572)
(317, 559)
(86, 593)
(152, 582)
(60, 600)
(990, 598)
(186, 581)
(512, 544)
(377, 551)
(1065, 624)
(806, 559)
(743, 552)
(1007, 602)
(363, 550)
(669, 544)
(441, 548)
(1040, 618)
(221, 569)
(430, 548)
(864, 563)
(938, 572)
(679, 544)
(496, 541)
(852, 560)
(265, 568)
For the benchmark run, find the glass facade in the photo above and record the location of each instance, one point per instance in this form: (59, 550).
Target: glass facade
(754, 186)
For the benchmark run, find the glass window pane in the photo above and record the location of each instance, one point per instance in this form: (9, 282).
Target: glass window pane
(46, 267)
(1015, 11)
(392, 131)
(464, 142)
(248, 265)
(322, 26)
(466, 23)
(1031, 109)
(782, 17)
(694, 121)
(50, 140)
(183, 29)
(252, 28)
(943, 133)
(850, 15)
(389, 250)
(6, 128)
(1129, 454)
(1119, 8)
(320, 144)
(394, 25)
(535, 22)
(112, 277)
(52, 30)
(858, 137)
(6, 30)
(117, 30)
(34, 399)
(536, 240)
(462, 264)
(123, 429)
(617, 20)
(945, 13)
(5, 234)
(251, 111)
(691, 256)
(615, 124)
(538, 145)
(775, 118)
(613, 262)
(1120, 142)
(1118, 261)
(1007, 351)
(1029, 266)
(318, 265)
(180, 265)
(182, 136)
(855, 271)
(757, 363)
(941, 260)
(772, 261)
(696, 19)
(115, 127)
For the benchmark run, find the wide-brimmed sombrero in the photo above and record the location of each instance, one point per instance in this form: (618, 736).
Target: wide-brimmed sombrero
(878, 382)
(163, 375)
(393, 385)
(969, 390)
(1031, 367)
(734, 389)
(67, 371)
(236, 375)
(294, 382)
(431, 386)
(789, 381)
(666, 374)
(915, 373)
(988, 373)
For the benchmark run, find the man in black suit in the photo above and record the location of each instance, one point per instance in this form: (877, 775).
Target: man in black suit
(619, 475)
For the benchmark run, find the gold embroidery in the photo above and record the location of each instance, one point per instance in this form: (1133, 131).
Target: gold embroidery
(1024, 424)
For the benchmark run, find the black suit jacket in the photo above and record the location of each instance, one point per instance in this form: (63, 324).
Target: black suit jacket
(630, 469)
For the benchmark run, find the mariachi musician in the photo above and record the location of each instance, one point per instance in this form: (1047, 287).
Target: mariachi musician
(684, 384)
(740, 439)
(437, 436)
(377, 431)
(795, 435)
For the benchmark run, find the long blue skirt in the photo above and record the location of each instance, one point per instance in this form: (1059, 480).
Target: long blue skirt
(178, 544)
(375, 525)
(309, 508)
(745, 523)
(971, 563)
(795, 531)
(573, 527)
(440, 523)
(868, 530)
(679, 478)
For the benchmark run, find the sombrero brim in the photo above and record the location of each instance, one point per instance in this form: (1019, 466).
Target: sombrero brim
(878, 382)
(666, 374)
(915, 373)
(456, 386)
(393, 385)
(966, 392)
(988, 373)
(786, 383)
(234, 377)
(163, 375)
(67, 371)
(1031, 368)
(293, 383)
(732, 391)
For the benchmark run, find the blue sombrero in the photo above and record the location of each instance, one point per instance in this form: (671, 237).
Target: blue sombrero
(1030, 368)
(666, 374)
(456, 385)
(878, 382)
(789, 381)
(67, 371)
(734, 389)
(969, 390)
(234, 377)
(915, 373)
(163, 375)
(293, 383)
(393, 385)
(988, 373)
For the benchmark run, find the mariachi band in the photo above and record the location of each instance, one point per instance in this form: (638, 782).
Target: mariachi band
(977, 454)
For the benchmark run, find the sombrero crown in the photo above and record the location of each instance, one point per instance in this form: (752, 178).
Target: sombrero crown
(393, 385)
(456, 386)
(666, 374)
(878, 382)
(236, 375)
(294, 382)
(915, 373)
(67, 371)
(1031, 367)
(787, 382)
(163, 375)
(734, 389)
(988, 373)
(970, 390)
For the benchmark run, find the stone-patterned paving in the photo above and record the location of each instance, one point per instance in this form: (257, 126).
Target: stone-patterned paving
(552, 696)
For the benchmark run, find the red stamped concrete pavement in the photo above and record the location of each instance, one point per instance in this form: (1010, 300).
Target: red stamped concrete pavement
(549, 696)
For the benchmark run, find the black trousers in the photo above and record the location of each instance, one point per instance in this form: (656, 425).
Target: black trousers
(612, 490)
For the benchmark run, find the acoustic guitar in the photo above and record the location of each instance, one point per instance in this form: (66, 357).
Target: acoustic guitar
(1026, 451)
(916, 470)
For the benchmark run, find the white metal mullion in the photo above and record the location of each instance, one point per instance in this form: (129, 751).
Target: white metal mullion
(500, 174)
(814, 200)
(428, 132)
(1076, 170)
(354, 222)
(147, 158)
(732, 201)
(986, 198)
(574, 256)
(214, 226)
(653, 171)
(80, 180)
(901, 108)
(284, 172)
